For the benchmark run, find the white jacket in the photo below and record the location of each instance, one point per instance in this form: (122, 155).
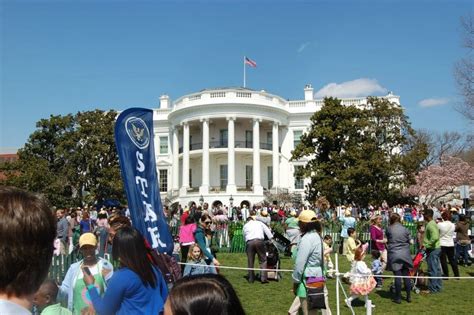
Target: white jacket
(446, 233)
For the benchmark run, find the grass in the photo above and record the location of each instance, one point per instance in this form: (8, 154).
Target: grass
(276, 297)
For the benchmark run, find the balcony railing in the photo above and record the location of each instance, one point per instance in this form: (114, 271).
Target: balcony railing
(224, 144)
(218, 144)
(244, 144)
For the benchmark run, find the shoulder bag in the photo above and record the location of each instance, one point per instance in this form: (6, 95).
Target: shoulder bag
(315, 286)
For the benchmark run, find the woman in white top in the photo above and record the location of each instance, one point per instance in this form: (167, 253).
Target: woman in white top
(446, 239)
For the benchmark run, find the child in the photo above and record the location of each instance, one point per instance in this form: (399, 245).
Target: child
(329, 266)
(362, 281)
(420, 234)
(45, 300)
(377, 268)
(196, 257)
(176, 248)
(352, 244)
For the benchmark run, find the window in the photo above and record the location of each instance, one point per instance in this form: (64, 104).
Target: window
(223, 175)
(163, 145)
(270, 176)
(223, 138)
(190, 178)
(163, 180)
(269, 138)
(248, 138)
(297, 137)
(299, 183)
(248, 176)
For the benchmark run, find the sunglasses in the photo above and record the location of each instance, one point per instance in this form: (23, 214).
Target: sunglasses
(207, 222)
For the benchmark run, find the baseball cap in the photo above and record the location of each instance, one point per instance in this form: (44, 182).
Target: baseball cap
(87, 239)
(307, 216)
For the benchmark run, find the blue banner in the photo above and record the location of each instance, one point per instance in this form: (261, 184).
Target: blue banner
(135, 146)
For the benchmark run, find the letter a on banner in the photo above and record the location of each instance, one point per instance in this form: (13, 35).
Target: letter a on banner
(135, 146)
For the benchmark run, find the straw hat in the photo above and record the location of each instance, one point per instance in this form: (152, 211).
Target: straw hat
(87, 239)
(307, 216)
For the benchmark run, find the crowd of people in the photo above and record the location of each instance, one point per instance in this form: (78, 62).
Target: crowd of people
(119, 274)
(29, 232)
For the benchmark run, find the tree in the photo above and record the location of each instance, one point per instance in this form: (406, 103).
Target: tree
(70, 157)
(464, 69)
(360, 155)
(440, 180)
(440, 146)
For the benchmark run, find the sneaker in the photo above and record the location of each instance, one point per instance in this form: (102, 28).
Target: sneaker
(348, 303)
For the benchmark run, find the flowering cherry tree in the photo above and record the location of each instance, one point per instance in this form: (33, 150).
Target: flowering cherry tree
(438, 181)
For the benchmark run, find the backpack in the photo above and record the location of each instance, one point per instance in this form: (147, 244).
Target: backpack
(168, 266)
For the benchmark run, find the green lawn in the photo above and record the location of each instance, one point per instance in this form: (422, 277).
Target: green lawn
(276, 297)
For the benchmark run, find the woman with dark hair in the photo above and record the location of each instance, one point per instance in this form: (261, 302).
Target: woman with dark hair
(137, 287)
(377, 239)
(446, 240)
(201, 239)
(86, 223)
(399, 258)
(309, 263)
(463, 240)
(203, 295)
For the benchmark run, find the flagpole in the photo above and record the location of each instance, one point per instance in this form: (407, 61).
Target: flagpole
(244, 71)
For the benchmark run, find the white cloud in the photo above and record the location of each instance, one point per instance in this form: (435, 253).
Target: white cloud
(431, 102)
(354, 88)
(303, 47)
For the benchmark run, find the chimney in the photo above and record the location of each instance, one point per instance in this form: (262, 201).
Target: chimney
(308, 92)
(164, 101)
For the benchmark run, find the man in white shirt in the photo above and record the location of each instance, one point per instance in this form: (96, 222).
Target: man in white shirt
(254, 234)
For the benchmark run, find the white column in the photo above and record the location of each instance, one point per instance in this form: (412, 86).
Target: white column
(184, 188)
(257, 187)
(231, 187)
(204, 188)
(275, 156)
(175, 158)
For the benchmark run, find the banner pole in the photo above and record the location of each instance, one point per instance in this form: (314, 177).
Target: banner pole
(338, 281)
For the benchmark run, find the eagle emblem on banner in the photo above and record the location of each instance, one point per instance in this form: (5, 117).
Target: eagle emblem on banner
(138, 132)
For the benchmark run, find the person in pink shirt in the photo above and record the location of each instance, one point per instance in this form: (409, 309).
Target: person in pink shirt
(377, 238)
(186, 238)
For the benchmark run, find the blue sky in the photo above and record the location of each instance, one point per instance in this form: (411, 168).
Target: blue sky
(60, 57)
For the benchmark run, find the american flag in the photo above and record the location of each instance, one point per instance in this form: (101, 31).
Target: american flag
(250, 62)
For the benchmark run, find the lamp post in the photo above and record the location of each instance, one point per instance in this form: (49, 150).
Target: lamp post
(231, 201)
(201, 200)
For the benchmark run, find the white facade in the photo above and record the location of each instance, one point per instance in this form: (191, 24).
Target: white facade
(236, 142)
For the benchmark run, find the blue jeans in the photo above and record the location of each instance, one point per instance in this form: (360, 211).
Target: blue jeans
(434, 268)
(462, 251)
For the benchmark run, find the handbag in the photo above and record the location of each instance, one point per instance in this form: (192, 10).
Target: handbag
(315, 286)
(168, 266)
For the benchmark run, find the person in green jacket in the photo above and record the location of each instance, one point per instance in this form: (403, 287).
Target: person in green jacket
(433, 250)
(45, 300)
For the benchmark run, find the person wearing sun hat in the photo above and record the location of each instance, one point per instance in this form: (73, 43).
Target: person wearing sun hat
(292, 228)
(73, 288)
(263, 217)
(347, 222)
(309, 264)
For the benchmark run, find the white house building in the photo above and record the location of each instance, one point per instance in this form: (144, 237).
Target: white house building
(228, 144)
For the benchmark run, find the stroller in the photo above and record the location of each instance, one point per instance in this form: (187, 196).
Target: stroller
(416, 272)
(282, 243)
(273, 261)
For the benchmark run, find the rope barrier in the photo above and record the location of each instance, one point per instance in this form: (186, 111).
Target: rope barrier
(347, 274)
